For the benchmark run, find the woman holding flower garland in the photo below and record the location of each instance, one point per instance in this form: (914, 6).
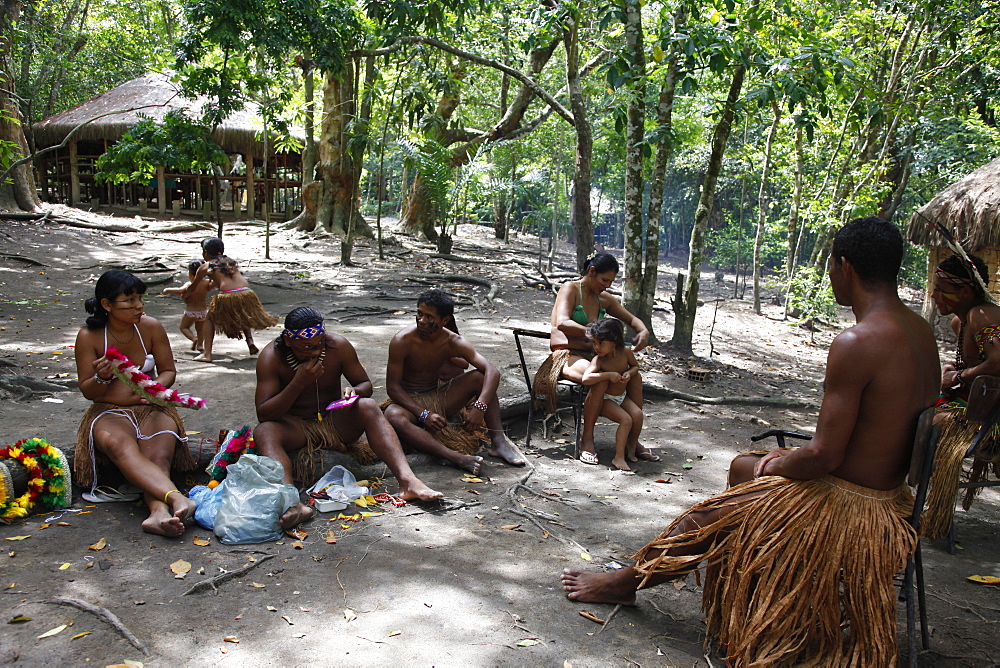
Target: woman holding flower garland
(140, 438)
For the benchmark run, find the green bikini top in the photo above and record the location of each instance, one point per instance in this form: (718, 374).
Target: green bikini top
(580, 316)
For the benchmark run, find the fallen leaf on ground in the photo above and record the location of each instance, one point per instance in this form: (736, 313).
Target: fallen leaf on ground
(80, 635)
(510, 527)
(663, 480)
(472, 491)
(18, 537)
(251, 559)
(139, 602)
(591, 616)
(63, 524)
(99, 545)
(527, 642)
(180, 567)
(471, 479)
(349, 615)
(561, 441)
(44, 526)
(984, 579)
(298, 545)
(271, 608)
(257, 585)
(298, 534)
(52, 632)
(201, 542)
(11, 585)
(545, 534)
(361, 501)
(299, 635)
(331, 537)
(233, 639)
(585, 556)
(19, 619)
(394, 633)
(290, 622)
(65, 566)
(679, 584)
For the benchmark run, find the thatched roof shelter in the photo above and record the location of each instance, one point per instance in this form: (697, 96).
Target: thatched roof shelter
(968, 208)
(152, 95)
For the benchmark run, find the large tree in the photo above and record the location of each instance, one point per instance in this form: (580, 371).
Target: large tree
(18, 192)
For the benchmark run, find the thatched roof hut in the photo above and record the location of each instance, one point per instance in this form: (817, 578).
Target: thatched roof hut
(67, 175)
(970, 210)
(153, 95)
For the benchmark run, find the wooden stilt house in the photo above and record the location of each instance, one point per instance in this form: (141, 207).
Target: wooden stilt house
(256, 176)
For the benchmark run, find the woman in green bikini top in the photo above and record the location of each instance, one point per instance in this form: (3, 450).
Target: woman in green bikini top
(584, 301)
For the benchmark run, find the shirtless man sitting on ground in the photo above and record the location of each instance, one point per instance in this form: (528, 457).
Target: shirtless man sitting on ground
(298, 375)
(421, 406)
(822, 523)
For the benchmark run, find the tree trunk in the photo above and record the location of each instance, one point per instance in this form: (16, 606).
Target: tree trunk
(581, 214)
(360, 129)
(20, 193)
(688, 303)
(635, 134)
(758, 241)
(499, 194)
(793, 212)
(308, 124)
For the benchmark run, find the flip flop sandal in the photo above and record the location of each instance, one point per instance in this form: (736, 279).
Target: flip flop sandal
(589, 458)
(649, 456)
(105, 494)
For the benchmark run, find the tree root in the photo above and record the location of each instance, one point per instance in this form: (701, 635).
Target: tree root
(104, 614)
(779, 402)
(212, 583)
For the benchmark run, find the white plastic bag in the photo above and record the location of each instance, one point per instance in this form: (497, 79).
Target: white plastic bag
(339, 484)
(253, 501)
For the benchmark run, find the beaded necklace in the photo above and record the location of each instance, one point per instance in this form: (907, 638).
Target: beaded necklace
(294, 362)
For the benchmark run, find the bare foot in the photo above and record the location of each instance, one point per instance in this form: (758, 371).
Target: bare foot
(203, 358)
(645, 454)
(620, 464)
(631, 457)
(471, 463)
(296, 515)
(182, 507)
(161, 522)
(253, 349)
(617, 587)
(194, 346)
(507, 451)
(415, 490)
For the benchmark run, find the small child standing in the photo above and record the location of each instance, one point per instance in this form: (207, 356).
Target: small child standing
(609, 372)
(195, 296)
(236, 310)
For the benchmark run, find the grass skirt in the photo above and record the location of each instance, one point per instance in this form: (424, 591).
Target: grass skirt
(545, 385)
(323, 436)
(83, 466)
(234, 312)
(453, 438)
(794, 564)
(954, 441)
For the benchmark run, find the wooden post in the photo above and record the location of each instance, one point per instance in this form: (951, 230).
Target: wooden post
(177, 208)
(74, 175)
(161, 190)
(250, 184)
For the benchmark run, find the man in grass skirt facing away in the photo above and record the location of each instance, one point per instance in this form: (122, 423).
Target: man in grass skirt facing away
(236, 310)
(804, 545)
(298, 377)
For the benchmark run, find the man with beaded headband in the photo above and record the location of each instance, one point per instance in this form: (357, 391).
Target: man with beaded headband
(960, 291)
(420, 403)
(298, 376)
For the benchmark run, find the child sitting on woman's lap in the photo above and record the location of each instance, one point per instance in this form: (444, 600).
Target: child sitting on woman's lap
(609, 372)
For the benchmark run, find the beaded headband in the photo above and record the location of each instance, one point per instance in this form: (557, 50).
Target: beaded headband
(957, 280)
(307, 333)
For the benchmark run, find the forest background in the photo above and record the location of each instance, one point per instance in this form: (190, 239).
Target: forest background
(746, 131)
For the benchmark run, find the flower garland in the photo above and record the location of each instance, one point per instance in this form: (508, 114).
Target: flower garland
(236, 443)
(48, 482)
(145, 386)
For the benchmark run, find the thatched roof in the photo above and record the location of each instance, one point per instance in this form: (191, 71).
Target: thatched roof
(153, 95)
(968, 208)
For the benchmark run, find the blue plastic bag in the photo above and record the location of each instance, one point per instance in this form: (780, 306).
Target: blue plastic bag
(208, 504)
(252, 501)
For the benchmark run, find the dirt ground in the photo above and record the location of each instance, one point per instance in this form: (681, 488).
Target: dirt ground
(475, 584)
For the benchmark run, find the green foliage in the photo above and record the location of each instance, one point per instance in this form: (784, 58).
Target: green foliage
(724, 245)
(432, 161)
(178, 144)
(811, 296)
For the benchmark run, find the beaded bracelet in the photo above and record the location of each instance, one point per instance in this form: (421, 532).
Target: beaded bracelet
(424, 414)
(101, 381)
(481, 405)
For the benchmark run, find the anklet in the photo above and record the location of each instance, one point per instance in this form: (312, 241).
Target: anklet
(173, 491)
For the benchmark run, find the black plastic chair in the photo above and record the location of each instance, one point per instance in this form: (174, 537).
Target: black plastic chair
(984, 407)
(577, 391)
(911, 589)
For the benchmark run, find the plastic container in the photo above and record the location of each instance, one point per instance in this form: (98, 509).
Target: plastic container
(329, 505)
